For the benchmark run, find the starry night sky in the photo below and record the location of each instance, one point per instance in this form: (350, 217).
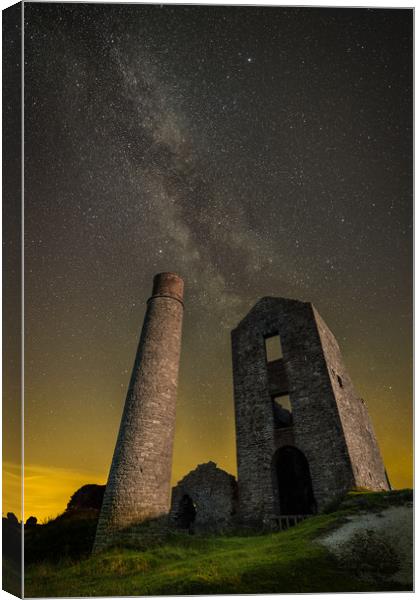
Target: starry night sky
(254, 151)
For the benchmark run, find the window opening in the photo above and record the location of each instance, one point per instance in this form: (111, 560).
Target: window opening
(282, 411)
(273, 349)
(340, 381)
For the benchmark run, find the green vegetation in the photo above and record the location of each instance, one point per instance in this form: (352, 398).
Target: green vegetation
(12, 577)
(70, 535)
(177, 563)
(366, 549)
(12, 554)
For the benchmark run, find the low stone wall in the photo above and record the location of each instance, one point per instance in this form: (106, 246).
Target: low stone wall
(205, 500)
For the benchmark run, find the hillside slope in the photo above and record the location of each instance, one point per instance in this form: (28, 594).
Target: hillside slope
(296, 560)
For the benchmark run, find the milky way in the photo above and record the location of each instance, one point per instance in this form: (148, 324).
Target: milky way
(254, 151)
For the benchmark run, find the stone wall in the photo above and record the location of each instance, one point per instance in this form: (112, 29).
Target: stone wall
(365, 456)
(213, 493)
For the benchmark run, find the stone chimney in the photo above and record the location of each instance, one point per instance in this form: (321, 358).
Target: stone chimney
(139, 480)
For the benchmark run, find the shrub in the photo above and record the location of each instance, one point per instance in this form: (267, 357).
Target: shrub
(67, 536)
(371, 553)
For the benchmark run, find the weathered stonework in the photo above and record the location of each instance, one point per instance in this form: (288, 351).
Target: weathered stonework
(138, 486)
(205, 500)
(293, 459)
(330, 445)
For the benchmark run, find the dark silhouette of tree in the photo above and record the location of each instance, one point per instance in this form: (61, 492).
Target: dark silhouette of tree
(12, 518)
(31, 522)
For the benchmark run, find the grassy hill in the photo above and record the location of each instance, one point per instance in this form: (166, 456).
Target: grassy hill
(176, 563)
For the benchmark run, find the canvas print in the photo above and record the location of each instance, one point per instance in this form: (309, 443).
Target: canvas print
(207, 282)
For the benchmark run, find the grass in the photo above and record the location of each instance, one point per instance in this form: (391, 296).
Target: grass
(281, 562)
(12, 577)
(68, 535)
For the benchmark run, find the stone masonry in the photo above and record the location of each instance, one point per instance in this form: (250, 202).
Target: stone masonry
(205, 500)
(138, 486)
(329, 443)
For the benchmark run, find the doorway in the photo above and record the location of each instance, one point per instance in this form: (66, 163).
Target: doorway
(293, 480)
(186, 512)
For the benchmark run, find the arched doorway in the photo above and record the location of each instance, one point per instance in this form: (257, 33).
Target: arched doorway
(293, 481)
(186, 512)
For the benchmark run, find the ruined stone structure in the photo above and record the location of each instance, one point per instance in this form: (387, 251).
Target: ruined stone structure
(138, 486)
(303, 434)
(205, 500)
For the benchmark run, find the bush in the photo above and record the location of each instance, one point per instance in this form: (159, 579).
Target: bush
(67, 536)
(371, 553)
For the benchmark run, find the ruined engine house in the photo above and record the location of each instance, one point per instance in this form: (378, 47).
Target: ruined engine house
(303, 434)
